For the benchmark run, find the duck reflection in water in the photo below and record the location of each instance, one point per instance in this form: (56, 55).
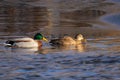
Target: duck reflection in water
(63, 49)
(80, 47)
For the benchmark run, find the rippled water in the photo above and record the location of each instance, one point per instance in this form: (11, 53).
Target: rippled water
(98, 60)
(97, 20)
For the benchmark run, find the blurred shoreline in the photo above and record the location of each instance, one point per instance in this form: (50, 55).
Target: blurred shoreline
(27, 17)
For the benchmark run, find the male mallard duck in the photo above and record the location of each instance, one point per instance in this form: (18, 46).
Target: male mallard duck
(67, 40)
(26, 42)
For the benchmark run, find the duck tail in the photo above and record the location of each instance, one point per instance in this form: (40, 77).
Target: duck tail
(9, 43)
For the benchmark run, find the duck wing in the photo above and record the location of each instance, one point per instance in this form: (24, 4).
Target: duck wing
(12, 42)
(55, 42)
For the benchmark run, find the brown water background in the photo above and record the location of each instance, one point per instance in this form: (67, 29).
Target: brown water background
(56, 16)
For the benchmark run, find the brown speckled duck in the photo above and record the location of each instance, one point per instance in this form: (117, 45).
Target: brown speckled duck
(67, 40)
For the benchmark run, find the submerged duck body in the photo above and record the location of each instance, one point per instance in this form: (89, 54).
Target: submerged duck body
(26, 42)
(67, 40)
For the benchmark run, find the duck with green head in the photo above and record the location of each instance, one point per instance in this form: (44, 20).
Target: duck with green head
(27, 42)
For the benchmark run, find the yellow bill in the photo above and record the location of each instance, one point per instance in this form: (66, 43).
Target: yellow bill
(45, 39)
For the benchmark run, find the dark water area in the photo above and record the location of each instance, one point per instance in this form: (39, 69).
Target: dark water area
(97, 20)
(113, 19)
(116, 1)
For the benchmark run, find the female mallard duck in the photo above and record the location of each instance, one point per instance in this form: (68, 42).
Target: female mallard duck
(26, 42)
(67, 40)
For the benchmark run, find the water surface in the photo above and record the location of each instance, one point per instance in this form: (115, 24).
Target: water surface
(113, 19)
(97, 20)
(97, 60)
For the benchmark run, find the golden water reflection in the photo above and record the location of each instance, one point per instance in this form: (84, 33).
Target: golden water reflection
(57, 49)
(78, 48)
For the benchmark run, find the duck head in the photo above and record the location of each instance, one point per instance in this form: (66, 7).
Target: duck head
(79, 37)
(39, 36)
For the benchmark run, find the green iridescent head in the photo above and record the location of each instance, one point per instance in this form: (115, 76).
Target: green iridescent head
(39, 36)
